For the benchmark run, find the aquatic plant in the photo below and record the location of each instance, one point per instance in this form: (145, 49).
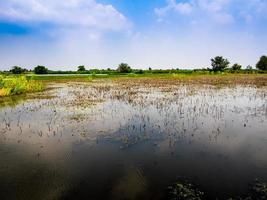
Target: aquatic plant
(184, 191)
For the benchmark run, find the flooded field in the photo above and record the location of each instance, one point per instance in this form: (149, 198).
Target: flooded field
(132, 138)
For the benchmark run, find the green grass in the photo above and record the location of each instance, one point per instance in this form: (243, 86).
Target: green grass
(180, 76)
(54, 77)
(13, 85)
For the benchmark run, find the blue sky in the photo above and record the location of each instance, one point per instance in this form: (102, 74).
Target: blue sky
(144, 33)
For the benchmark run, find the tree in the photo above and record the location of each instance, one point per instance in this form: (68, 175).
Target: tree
(249, 67)
(124, 68)
(17, 70)
(40, 70)
(81, 68)
(219, 63)
(236, 67)
(262, 64)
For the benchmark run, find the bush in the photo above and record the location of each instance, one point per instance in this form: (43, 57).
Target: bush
(18, 85)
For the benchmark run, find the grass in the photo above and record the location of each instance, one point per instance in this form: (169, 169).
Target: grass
(224, 78)
(14, 85)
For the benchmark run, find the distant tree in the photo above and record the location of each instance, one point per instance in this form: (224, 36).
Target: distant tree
(236, 67)
(81, 68)
(40, 70)
(149, 68)
(262, 64)
(124, 68)
(249, 67)
(219, 63)
(17, 70)
(140, 71)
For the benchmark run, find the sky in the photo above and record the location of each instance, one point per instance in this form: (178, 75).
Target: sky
(62, 35)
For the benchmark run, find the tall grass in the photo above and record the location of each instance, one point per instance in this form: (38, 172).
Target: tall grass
(18, 85)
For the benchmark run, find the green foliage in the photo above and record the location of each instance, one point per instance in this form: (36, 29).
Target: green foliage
(236, 67)
(219, 63)
(140, 71)
(249, 67)
(17, 70)
(18, 85)
(262, 64)
(124, 68)
(40, 70)
(81, 68)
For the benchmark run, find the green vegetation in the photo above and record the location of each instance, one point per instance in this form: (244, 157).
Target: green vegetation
(40, 70)
(124, 68)
(17, 70)
(185, 190)
(262, 64)
(219, 63)
(236, 67)
(81, 68)
(18, 85)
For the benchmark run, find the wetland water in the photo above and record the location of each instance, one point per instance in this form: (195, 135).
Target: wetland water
(130, 139)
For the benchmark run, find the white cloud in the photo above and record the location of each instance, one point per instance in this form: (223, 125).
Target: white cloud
(219, 11)
(67, 13)
(212, 5)
(181, 8)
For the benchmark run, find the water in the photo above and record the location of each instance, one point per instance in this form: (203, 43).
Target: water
(130, 140)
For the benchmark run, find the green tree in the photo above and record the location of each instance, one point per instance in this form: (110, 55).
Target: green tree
(249, 67)
(124, 68)
(219, 63)
(236, 66)
(262, 64)
(17, 70)
(81, 68)
(40, 70)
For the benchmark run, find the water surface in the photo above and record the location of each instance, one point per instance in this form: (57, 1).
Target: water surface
(130, 140)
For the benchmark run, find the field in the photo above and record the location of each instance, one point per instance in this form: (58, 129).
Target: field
(135, 136)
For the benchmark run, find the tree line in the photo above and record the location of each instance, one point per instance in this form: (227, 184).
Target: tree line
(218, 64)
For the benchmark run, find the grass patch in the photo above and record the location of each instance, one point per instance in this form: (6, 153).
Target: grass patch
(60, 77)
(14, 85)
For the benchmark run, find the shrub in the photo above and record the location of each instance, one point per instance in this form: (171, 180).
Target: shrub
(18, 85)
